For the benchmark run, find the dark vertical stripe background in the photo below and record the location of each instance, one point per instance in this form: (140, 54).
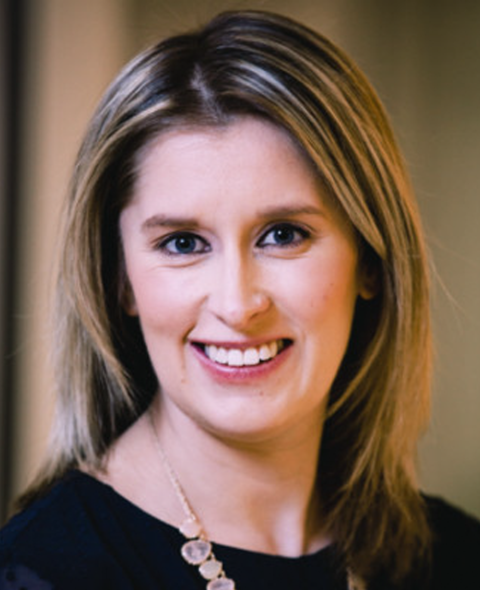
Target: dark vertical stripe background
(12, 36)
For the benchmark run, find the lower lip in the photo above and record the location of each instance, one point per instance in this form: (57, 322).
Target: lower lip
(241, 374)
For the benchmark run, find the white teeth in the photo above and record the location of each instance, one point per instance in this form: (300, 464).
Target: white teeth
(221, 355)
(265, 353)
(235, 357)
(274, 348)
(251, 357)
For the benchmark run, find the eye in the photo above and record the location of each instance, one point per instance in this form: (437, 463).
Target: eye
(184, 243)
(284, 235)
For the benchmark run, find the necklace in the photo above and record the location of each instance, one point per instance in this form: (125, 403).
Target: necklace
(198, 550)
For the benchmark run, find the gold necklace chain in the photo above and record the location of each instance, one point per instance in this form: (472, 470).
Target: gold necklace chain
(198, 550)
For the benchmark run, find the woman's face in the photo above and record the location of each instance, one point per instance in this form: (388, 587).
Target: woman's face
(243, 277)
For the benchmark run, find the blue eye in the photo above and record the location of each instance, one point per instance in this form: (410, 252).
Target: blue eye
(184, 243)
(284, 235)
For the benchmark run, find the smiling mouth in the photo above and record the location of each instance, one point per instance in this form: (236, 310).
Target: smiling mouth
(249, 357)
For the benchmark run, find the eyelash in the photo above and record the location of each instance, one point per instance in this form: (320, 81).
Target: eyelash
(301, 234)
(173, 239)
(293, 235)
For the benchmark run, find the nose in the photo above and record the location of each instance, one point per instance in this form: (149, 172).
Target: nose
(238, 295)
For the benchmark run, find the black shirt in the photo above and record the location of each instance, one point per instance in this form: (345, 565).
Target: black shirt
(84, 535)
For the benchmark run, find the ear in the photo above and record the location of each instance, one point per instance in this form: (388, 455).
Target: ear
(127, 300)
(126, 295)
(369, 279)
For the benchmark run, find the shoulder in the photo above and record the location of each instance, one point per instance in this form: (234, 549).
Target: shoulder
(83, 534)
(456, 545)
(50, 516)
(454, 555)
(451, 525)
(52, 539)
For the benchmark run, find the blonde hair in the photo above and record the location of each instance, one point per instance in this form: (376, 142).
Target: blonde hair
(257, 63)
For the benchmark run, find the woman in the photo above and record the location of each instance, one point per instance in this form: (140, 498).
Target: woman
(243, 340)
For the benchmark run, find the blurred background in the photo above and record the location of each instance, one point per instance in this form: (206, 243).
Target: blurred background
(423, 57)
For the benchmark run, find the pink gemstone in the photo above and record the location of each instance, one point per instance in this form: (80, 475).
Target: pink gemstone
(210, 569)
(196, 552)
(221, 584)
(191, 529)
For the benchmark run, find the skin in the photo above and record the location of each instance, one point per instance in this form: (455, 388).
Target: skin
(228, 240)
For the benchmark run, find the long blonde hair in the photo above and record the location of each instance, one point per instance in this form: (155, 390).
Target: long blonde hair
(245, 63)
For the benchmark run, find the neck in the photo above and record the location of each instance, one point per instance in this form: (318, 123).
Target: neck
(269, 488)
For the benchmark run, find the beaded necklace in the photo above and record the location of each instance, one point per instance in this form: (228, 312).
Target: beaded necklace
(198, 550)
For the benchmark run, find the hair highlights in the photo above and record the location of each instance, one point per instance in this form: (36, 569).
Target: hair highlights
(261, 64)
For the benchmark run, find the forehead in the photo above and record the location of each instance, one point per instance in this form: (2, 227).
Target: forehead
(246, 128)
(249, 155)
(248, 148)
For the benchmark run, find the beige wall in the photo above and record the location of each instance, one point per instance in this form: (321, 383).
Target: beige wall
(422, 57)
(75, 47)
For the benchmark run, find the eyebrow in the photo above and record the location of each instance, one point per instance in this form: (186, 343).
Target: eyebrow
(291, 211)
(160, 220)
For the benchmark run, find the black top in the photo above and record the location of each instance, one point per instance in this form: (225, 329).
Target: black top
(84, 535)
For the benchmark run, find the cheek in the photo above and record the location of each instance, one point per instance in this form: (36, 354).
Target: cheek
(161, 302)
(323, 291)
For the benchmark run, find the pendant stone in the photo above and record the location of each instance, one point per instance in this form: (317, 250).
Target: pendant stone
(210, 569)
(191, 528)
(196, 552)
(221, 584)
